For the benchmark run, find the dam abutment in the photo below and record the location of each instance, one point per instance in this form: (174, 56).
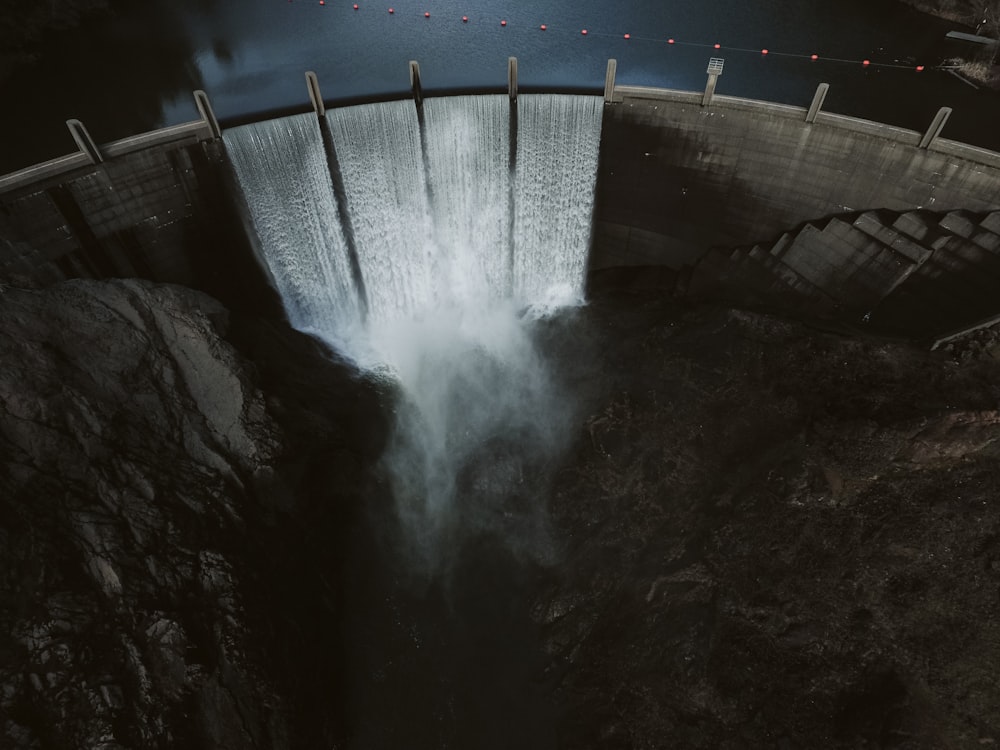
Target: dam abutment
(676, 178)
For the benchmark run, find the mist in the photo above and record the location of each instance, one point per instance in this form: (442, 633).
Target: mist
(460, 257)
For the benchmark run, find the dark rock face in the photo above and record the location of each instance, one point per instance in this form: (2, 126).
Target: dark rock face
(776, 537)
(147, 497)
(769, 536)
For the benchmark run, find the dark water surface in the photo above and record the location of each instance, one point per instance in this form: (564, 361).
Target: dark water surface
(135, 70)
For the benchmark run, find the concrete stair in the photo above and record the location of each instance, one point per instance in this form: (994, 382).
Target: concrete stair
(991, 222)
(911, 272)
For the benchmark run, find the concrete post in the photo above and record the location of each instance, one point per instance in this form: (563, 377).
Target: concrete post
(706, 98)
(936, 126)
(512, 78)
(418, 92)
(609, 81)
(817, 102)
(715, 66)
(83, 141)
(312, 83)
(206, 112)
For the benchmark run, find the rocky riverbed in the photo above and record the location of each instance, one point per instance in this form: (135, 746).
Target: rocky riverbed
(764, 534)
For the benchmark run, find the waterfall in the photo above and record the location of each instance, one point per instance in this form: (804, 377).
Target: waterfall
(556, 169)
(283, 172)
(448, 266)
(378, 146)
(468, 145)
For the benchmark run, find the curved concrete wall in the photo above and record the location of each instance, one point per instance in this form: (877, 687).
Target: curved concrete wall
(676, 177)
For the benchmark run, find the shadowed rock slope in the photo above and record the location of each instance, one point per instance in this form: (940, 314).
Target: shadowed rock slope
(776, 537)
(769, 535)
(161, 525)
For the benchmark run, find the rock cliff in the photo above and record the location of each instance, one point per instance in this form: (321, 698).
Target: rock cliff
(147, 497)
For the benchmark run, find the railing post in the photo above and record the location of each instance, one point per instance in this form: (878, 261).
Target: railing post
(609, 81)
(715, 66)
(83, 141)
(312, 83)
(512, 78)
(418, 92)
(817, 102)
(206, 112)
(936, 126)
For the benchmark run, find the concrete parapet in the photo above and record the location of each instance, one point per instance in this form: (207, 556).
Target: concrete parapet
(867, 127)
(40, 172)
(621, 93)
(609, 81)
(207, 113)
(188, 132)
(936, 126)
(817, 103)
(84, 142)
(315, 96)
(415, 85)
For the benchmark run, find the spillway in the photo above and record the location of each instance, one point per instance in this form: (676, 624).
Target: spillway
(443, 238)
(286, 183)
(431, 219)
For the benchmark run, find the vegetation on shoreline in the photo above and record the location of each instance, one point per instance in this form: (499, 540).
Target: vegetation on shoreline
(982, 17)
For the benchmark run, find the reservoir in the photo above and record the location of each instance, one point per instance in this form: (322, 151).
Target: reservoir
(133, 69)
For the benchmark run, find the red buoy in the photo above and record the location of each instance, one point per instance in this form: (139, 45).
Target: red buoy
(543, 27)
(814, 57)
(322, 2)
(391, 11)
(919, 68)
(503, 23)
(718, 46)
(628, 36)
(866, 62)
(670, 41)
(427, 15)
(465, 19)
(763, 52)
(355, 6)
(584, 32)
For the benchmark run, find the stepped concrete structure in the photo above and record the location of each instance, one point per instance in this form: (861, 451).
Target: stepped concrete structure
(912, 272)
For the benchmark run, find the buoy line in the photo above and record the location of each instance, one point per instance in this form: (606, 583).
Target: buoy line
(671, 41)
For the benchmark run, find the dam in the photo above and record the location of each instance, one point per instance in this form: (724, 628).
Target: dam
(480, 510)
(679, 173)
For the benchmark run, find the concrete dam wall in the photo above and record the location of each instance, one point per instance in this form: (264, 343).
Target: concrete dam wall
(677, 177)
(679, 173)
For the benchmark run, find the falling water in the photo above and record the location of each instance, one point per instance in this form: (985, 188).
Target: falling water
(556, 168)
(286, 182)
(470, 177)
(459, 259)
(378, 146)
(447, 285)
